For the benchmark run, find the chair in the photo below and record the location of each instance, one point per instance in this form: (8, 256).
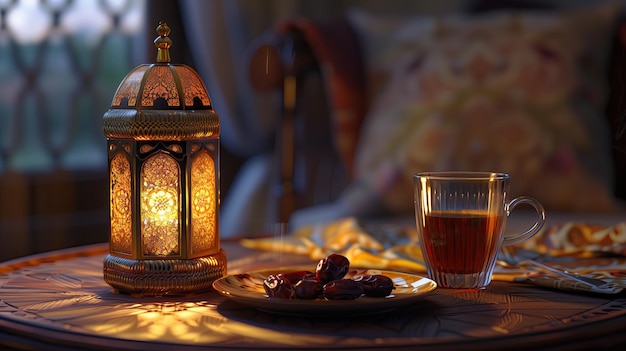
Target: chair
(321, 78)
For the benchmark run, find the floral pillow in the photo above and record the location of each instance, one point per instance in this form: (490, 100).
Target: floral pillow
(516, 92)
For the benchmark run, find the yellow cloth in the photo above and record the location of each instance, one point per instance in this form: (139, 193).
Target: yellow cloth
(373, 247)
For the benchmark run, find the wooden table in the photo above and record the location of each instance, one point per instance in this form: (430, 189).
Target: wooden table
(59, 301)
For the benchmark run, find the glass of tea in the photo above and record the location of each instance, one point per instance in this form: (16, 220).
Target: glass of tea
(460, 218)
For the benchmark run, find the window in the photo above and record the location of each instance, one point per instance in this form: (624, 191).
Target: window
(60, 64)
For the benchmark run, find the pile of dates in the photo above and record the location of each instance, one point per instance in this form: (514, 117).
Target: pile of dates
(327, 282)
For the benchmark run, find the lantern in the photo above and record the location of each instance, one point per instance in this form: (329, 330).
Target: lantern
(163, 153)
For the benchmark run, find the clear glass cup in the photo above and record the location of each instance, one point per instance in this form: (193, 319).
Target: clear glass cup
(460, 219)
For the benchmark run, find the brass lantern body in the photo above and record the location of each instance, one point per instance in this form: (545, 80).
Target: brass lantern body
(163, 150)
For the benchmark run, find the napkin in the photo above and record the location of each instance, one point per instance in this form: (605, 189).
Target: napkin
(573, 246)
(596, 251)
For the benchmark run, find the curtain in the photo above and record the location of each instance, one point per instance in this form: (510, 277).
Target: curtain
(219, 37)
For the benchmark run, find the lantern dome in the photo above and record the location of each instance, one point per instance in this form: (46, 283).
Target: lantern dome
(161, 100)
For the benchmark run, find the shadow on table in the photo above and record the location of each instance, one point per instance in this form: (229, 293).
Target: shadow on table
(421, 320)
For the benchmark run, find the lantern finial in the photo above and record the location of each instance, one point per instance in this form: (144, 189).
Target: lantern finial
(163, 42)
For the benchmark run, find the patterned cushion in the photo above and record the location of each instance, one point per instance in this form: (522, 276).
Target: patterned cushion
(516, 92)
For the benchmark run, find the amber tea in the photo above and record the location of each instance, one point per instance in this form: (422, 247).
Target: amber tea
(461, 242)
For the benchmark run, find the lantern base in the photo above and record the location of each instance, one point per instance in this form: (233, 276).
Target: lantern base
(164, 277)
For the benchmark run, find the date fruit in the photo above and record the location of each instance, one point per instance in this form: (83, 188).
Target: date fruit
(376, 285)
(343, 289)
(308, 288)
(328, 282)
(278, 287)
(294, 277)
(332, 267)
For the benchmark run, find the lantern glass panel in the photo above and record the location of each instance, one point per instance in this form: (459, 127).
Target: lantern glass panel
(160, 203)
(203, 203)
(121, 209)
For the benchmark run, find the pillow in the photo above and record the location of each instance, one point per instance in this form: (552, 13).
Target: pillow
(507, 91)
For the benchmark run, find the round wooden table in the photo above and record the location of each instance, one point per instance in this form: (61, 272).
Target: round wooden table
(58, 300)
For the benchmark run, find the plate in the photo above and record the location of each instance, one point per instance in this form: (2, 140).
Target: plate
(247, 289)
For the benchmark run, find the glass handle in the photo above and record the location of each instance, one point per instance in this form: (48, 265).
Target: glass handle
(541, 220)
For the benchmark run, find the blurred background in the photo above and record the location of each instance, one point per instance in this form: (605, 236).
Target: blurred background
(61, 62)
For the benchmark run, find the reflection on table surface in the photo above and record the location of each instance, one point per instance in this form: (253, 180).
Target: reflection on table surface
(61, 299)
